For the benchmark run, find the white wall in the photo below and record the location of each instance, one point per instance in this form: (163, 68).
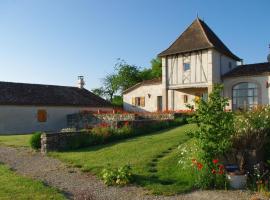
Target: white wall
(154, 90)
(221, 65)
(23, 119)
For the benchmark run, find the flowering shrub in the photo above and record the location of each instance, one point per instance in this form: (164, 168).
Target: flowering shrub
(251, 128)
(187, 151)
(120, 176)
(215, 128)
(204, 175)
(259, 178)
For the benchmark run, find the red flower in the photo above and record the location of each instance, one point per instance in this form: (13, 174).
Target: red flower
(215, 161)
(221, 172)
(213, 171)
(221, 167)
(199, 166)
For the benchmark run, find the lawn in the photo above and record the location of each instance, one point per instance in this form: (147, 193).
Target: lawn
(153, 159)
(13, 186)
(15, 140)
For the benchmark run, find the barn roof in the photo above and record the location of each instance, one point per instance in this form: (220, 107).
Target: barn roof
(250, 70)
(48, 95)
(198, 36)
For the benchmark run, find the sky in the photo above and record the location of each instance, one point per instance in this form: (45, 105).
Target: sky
(54, 41)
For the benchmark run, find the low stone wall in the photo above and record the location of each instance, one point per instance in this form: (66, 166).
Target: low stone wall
(156, 116)
(57, 141)
(88, 120)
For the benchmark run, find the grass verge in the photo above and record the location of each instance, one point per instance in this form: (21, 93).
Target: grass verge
(15, 140)
(13, 186)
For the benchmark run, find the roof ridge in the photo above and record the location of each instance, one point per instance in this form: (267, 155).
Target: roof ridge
(37, 84)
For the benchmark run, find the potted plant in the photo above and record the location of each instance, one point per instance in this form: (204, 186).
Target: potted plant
(237, 178)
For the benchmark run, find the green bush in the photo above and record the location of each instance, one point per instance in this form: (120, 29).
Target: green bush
(121, 176)
(83, 139)
(123, 132)
(35, 140)
(215, 130)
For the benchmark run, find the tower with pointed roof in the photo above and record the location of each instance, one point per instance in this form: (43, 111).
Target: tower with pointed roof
(195, 61)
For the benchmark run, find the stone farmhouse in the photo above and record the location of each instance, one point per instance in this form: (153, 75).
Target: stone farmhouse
(25, 108)
(191, 65)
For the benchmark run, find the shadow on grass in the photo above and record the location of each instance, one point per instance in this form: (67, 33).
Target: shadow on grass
(163, 186)
(112, 143)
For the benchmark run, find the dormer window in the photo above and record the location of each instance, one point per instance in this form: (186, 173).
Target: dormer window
(186, 66)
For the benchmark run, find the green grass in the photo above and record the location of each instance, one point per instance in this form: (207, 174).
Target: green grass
(13, 186)
(153, 161)
(15, 140)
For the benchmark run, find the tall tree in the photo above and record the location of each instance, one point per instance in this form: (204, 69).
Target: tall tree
(110, 86)
(126, 75)
(98, 91)
(156, 67)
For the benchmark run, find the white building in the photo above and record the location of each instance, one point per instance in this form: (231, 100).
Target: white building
(191, 65)
(25, 108)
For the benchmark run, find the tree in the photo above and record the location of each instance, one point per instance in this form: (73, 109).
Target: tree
(98, 91)
(126, 75)
(110, 86)
(156, 67)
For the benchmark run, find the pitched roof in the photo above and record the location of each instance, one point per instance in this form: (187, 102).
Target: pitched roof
(198, 36)
(249, 70)
(48, 95)
(146, 82)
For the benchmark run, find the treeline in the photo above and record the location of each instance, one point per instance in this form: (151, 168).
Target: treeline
(125, 76)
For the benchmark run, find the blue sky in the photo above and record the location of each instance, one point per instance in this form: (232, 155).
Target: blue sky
(53, 41)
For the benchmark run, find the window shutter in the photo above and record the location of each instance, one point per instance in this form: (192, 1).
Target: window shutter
(42, 116)
(142, 101)
(133, 101)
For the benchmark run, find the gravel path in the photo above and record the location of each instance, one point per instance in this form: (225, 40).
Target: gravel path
(84, 186)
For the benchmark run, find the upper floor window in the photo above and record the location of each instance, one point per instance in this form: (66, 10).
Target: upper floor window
(186, 66)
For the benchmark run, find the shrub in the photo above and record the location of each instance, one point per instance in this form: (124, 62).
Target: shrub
(35, 140)
(215, 128)
(123, 132)
(83, 139)
(120, 176)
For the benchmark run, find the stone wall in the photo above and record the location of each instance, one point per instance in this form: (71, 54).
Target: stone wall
(89, 120)
(57, 141)
(156, 116)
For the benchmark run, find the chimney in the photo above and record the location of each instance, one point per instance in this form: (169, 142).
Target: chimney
(81, 82)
